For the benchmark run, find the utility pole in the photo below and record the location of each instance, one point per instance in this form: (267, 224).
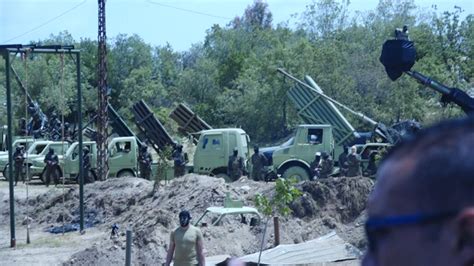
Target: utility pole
(102, 114)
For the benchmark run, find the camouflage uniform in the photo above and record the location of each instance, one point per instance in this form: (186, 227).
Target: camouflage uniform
(343, 165)
(235, 167)
(353, 163)
(327, 166)
(19, 156)
(51, 160)
(179, 161)
(144, 160)
(258, 162)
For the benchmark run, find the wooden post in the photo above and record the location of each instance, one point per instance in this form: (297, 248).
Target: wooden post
(276, 226)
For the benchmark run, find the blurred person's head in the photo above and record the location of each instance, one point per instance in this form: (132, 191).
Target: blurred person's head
(421, 211)
(184, 218)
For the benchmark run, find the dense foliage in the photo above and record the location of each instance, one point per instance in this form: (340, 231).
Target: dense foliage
(230, 78)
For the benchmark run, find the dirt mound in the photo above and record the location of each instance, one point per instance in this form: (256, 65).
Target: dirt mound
(132, 203)
(340, 199)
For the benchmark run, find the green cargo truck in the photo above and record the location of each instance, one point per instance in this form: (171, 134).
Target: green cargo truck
(37, 149)
(123, 154)
(214, 148)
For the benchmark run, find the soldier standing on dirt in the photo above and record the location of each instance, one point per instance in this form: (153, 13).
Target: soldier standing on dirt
(314, 165)
(51, 161)
(258, 162)
(326, 166)
(186, 244)
(235, 166)
(86, 161)
(180, 161)
(342, 160)
(19, 156)
(145, 160)
(353, 163)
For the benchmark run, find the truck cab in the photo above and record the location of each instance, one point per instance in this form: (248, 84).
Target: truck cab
(214, 148)
(26, 142)
(37, 151)
(292, 159)
(123, 156)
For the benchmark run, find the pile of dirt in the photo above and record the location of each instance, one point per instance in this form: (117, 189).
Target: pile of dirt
(132, 203)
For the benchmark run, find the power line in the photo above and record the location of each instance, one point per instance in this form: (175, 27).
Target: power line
(46, 22)
(189, 10)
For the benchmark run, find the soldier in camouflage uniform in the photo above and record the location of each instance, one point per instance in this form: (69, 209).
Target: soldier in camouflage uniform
(326, 166)
(180, 161)
(353, 163)
(235, 166)
(19, 157)
(258, 162)
(51, 160)
(145, 160)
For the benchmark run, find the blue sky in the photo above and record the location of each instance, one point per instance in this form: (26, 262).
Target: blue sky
(179, 23)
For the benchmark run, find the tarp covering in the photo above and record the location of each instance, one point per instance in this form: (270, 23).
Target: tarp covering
(328, 248)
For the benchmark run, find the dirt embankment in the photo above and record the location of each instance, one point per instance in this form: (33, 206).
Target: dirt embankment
(332, 204)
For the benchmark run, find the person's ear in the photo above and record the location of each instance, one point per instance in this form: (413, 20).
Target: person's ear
(464, 236)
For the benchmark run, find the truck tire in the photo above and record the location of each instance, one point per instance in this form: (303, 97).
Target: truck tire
(126, 173)
(296, 172)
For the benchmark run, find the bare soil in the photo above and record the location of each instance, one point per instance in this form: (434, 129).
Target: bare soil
(132, 203)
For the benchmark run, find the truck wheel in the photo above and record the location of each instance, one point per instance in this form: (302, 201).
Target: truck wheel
(125, 173)
(296, 172)
(225, 177)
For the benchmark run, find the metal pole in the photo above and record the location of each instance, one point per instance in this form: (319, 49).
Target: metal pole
(276, 227)
(9, 146)
(128, 251)
(81, 163)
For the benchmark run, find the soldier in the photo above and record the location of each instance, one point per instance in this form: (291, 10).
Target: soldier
(86, 162)
(353, 163)
(326, 166)
(51, 161)
(145, 160)
(258, 162)
(22, 131)
(235, 166)
(180, 161)
(342, 160)
(314, 165)
(19, 156)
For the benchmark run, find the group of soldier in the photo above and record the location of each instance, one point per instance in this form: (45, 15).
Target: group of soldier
(349, 164)
(40, 127)
(321, 167)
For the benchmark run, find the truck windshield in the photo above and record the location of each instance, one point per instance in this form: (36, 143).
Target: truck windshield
(36, 149)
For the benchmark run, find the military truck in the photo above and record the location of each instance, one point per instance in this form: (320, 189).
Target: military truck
(292, 159)
(25, 142)
(214, 148)
(123, 154)
(37, 149)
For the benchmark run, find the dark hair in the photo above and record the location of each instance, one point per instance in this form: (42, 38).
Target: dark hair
(443, 172)
(185, 213)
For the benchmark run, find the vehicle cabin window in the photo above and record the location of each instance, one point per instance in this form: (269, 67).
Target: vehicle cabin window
(315, 135)
(212, 143)
(124, 146)
(75, 153)
(38, 149)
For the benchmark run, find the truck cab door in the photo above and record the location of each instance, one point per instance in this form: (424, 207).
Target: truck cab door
(311, 141)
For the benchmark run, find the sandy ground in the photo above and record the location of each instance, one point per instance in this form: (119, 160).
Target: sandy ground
(337, 204)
